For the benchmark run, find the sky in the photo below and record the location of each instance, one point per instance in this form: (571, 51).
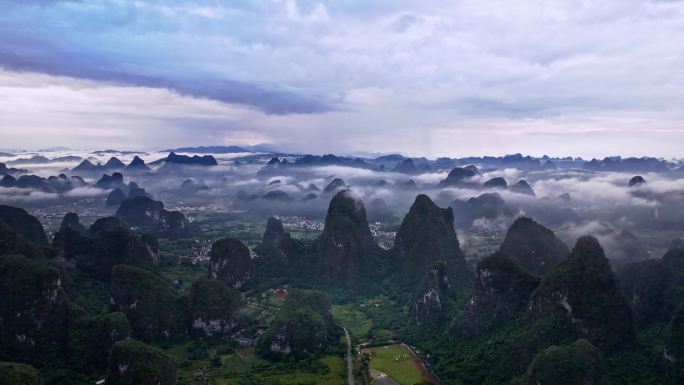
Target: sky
(425, 78)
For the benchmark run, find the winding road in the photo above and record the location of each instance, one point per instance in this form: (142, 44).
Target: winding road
(350, 368)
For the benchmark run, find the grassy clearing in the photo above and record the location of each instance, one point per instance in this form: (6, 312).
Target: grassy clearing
(357, 323)
(243, 367)
(396, 362)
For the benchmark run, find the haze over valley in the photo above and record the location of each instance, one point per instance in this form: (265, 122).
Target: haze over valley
(319, 192)
(400, 249)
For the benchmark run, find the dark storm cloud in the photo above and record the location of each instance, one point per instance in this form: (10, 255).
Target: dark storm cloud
(437, 77)
(52, 60)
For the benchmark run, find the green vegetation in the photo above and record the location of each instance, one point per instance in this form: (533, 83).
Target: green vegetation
(92, 339)
(534, 246)
(675, 342)
(427, 236)
(109, 243)
(213, 308)
(396, 362)
(374, 320)
(243, 367)
(346, 252)
(12, 373)
(304, 325)
(25, 225)
(168, 301)
(586, 285)
(436, 296)
(33, 309)
(13, 243)
(501, 291)
(86, 291)
(231, 262)
(236, 225)
(357, 323)
(580, 363)
(153, 308)
(135, 363)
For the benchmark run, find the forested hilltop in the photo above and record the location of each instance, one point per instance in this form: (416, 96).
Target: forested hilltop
(270, 268)
(102, 302)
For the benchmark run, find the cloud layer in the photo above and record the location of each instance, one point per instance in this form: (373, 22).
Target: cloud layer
(433, 78)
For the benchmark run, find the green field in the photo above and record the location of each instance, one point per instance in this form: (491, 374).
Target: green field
(404, 370)
(244, 368)
(357, 323)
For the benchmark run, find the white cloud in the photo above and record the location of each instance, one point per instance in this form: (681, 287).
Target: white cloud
(433, 77)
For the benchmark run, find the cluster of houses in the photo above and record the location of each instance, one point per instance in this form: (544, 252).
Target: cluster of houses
(301, 224)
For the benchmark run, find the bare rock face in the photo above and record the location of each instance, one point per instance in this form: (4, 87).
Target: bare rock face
(346, 248)
(534, 246)
(34, 311)
(213, 308)
(435, 298)
(230, 262)
(581, 296)
(501, 291)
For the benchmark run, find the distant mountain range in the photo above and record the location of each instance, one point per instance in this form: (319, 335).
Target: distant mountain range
(263, 147)
(390, 162)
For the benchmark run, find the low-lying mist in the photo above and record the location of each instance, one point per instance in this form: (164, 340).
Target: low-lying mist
(572, 201)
